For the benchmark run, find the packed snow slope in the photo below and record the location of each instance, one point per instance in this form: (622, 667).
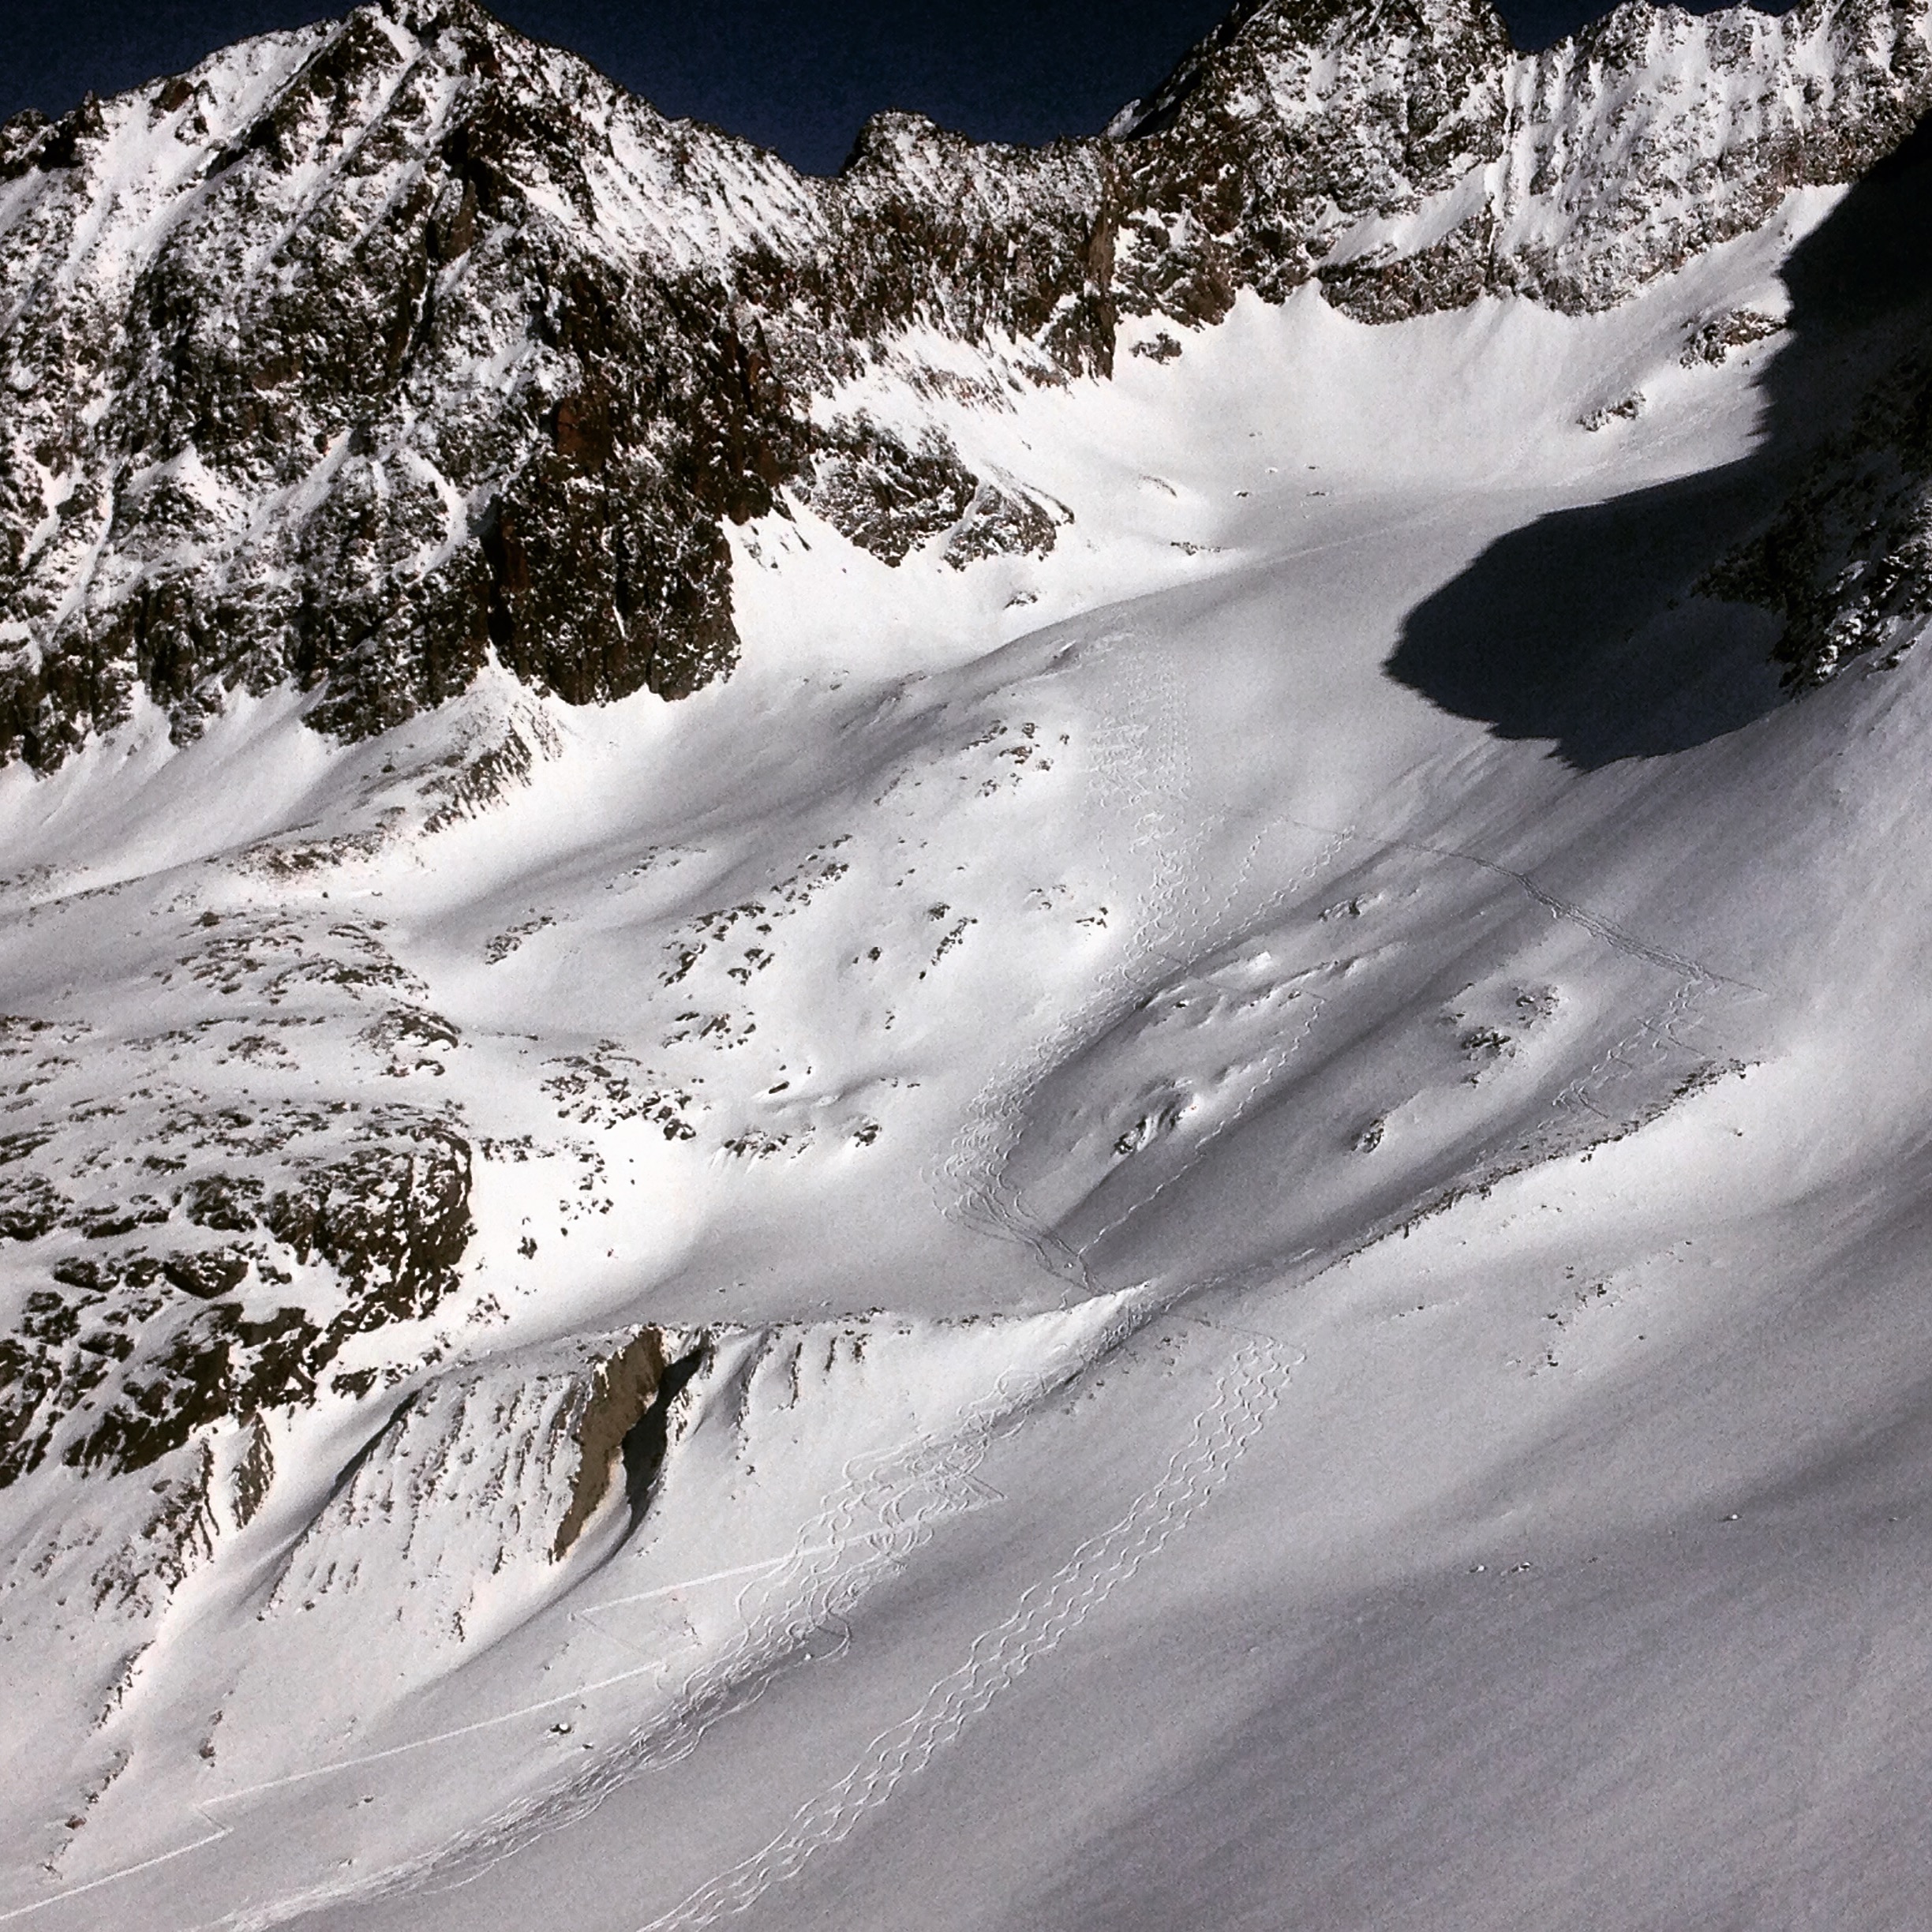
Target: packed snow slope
(1217, 1224)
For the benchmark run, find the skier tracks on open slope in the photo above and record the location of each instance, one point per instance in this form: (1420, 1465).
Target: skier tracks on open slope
(1592, 924)
(886, 1509)
(1143, 763)
(1045, 1615)
(1660, 1032)
(1659, 1035)
(816, 1582)
(1141, 772)
(1142, 768)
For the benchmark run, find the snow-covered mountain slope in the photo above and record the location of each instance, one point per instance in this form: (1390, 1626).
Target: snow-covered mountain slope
(1214, 1223)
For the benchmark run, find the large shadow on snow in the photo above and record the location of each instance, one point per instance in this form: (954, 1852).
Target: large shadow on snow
(1581, 627)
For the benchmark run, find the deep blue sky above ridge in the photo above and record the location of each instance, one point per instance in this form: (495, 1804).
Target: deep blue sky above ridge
(798, 76)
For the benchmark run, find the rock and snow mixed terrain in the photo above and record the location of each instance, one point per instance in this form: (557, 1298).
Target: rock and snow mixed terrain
(1036, 1041)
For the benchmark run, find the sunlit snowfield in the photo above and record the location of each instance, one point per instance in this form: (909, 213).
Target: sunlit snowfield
(1315, 1304)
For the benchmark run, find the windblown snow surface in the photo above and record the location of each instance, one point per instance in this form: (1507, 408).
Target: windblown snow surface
(1280, 1159)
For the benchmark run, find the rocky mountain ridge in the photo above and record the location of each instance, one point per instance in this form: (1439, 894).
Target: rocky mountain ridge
(371, 355)
(366, 354)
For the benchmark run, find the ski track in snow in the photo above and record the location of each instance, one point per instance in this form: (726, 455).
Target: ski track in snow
(837, 1556)
(1658, 1033)
(1142, 769)
(1045, 1614)
(890, 1502)
(1143, 763)
(1139, 767)
(885, 1508)
(1660, 1030)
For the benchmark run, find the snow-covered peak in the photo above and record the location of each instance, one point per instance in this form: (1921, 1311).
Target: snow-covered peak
(364, 354)
(1253, 839)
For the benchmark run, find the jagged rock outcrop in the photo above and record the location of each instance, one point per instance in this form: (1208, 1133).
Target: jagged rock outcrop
(363, 393)
(478, 1484)
(166, 1315)
(623, 1422)
(366, 353)
(1258, 164)
(1846, 563)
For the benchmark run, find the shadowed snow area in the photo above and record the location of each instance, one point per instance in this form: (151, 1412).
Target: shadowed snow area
(1224, 1229)
(1586, 626)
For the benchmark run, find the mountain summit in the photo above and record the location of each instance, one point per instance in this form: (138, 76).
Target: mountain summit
(366, 354)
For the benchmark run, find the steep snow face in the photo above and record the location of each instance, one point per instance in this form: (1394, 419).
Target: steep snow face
(366, 356)
(1234, 1128)
(1410, 161)
(1086, 1122)
(1634, 147)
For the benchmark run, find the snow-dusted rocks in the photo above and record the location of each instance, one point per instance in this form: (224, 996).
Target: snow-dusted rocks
(365, 354)
(1846, 563)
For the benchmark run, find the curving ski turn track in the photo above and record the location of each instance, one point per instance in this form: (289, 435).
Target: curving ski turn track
(1044, 1617)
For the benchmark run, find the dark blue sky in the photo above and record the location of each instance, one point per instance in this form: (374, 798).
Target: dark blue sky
(800, 76)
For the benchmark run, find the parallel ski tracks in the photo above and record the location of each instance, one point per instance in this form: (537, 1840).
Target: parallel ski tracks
(1141, 773)
(907, 1491)
(890, 1504)
(1045, 1615)
(1659, 1031)
(1143, 763)
(887, 1507)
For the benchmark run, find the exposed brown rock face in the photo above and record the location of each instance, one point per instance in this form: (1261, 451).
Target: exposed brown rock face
(624, 1391)
(1291, 127)
(365, 351)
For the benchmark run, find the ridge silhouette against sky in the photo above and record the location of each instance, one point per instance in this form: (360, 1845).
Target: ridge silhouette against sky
(799, 76)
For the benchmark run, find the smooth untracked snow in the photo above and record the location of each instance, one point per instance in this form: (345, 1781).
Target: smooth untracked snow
(1314, 1311)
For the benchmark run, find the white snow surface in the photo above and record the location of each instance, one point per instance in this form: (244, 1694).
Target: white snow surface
(1312, 1316)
